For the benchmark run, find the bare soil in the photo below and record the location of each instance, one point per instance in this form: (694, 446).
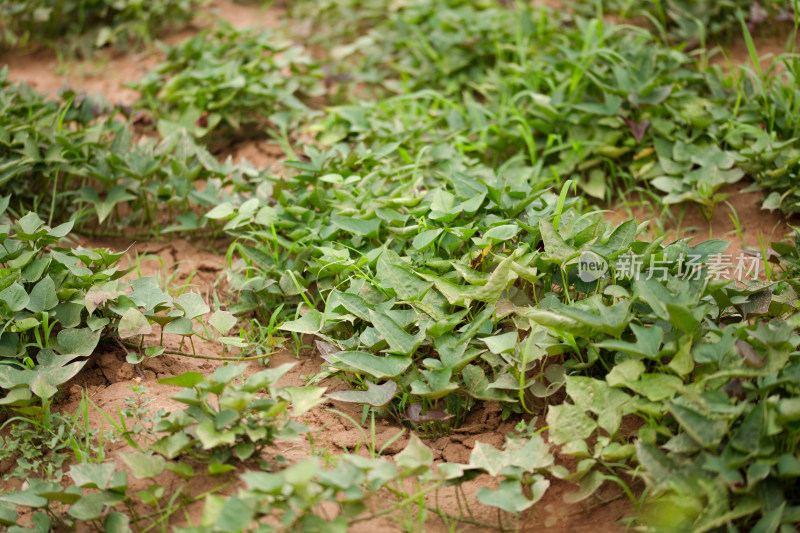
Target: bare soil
(687, 221)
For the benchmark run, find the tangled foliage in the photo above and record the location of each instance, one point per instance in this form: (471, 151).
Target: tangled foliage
(114, 22)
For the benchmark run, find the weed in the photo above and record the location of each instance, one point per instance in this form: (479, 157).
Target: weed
(41, 447)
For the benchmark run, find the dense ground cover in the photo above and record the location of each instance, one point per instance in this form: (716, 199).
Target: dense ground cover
(432, 235)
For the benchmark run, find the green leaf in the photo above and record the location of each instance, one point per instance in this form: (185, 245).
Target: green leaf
(147, 294)
(8, 514)
(568, 422)
(303, 398)
(682, 317)
(652, 97)
(173, 445)
(529, 455)
(49, 358)
(682, 363)
(443, 206)
(222, 321)
(211, 438)
(116, 523)
(90, 507)
(504, 343)
(648, 342)
(217, 469)
(236, 515)
(510, 497)
(499, 280)
(263, 482)
(96, 297)
(477, 385)
(423, 241)
(187, 379)
(180, 326)
(375, 395)
(42, 388)
(406, 285)
(154, 351)
(593, 314)
(30, 223)
(143, 466)
(25, 498)
(365, 228)
(311, 322)
(92, 475)
(436, 384)
(502, 233)
(35, 269)
(771, 521)
(182, 469)
(237, 342)
(556, 250)
(751, 437)
(301, 473)
(589, 485)
(350, 302)
(619, 241)
(69, 314)
(132, 323)
(79, 341)
(62, 230)
(788, 466)
(133, 358)
(15, 297)
(266, 378)
(608, 403)
(661, 469)
(17, 396)
(488, 458)
(656, 387)
(244, 450)
(192, 304)
(400, 342)
(625, 373)
(43, 296)
(25, 324)
(379, 367)
(416, 457)
(223, 210)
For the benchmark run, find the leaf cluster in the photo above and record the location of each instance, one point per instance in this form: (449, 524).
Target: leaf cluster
(234, 80)
(67, 157)
(97, 22)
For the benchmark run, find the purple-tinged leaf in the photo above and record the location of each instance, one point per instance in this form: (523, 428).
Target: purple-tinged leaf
(637, 128)
(414, 413)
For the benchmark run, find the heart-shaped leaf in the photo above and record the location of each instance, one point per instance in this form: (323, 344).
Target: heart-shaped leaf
(375, 395)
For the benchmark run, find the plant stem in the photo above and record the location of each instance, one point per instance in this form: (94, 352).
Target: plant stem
(210, 357)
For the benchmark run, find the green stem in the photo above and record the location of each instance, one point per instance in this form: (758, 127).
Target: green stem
(209, 357)
(399, 505)
(53, 198)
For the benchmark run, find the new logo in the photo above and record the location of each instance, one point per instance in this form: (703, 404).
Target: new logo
(591, 267)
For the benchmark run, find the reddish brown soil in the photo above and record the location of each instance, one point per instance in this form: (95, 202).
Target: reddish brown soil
(262, 153)
(757, 224)
(770, 40)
